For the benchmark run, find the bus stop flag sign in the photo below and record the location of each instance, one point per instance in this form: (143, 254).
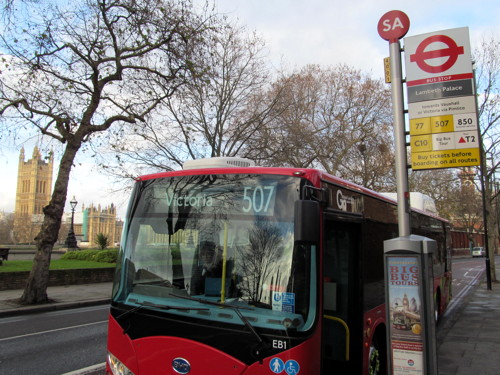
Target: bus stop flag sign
(441, 100)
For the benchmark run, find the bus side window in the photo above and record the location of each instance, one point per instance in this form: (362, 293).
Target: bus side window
(330, 295)
(340, 247)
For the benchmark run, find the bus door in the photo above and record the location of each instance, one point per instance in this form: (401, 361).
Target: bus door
(342, 305)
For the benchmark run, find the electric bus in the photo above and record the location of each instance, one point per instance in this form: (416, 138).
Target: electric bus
(226, 268)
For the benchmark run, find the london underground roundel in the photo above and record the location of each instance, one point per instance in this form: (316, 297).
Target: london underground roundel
(424, 54)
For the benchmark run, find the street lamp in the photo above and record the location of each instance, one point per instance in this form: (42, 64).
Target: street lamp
(71, 239)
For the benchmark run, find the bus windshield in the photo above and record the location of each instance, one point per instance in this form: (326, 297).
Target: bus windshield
(218, 248)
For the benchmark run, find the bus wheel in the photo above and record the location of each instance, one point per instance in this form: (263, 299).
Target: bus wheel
(377, 358)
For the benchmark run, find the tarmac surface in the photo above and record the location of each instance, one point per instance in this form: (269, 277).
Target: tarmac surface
(468, 336)
(62, 297)
(469, 339)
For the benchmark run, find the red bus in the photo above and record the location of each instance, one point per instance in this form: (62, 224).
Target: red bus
(256, 271)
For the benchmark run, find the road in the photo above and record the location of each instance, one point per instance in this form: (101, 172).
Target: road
(467, 273)
(53, 343)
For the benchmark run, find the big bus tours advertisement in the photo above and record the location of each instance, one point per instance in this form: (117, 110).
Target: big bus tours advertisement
(404, 314)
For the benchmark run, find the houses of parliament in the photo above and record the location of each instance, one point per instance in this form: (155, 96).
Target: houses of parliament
(34, 190)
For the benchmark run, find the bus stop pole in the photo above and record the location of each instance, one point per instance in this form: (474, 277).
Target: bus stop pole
(399, 139)
(408, 265)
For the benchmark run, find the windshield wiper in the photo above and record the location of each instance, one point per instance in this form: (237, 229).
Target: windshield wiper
(261, 346)
(208, 302)
(158, 282)
(141, 305)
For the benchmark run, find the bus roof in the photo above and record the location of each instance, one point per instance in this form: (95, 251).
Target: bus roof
(313, 175)
(233, 165)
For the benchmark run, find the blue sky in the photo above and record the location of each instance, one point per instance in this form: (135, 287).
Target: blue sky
(324, 32)
(328, 32)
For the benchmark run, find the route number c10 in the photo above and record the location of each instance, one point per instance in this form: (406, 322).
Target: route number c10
(259, 199)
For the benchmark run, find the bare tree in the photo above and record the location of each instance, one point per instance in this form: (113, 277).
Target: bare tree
(71, 72)
(330, 118)
(487, 68)
(468, 212)
(212, 115)
(442, 185)
(287, 140)
(6, 227)
(371, 163)
(255, 262)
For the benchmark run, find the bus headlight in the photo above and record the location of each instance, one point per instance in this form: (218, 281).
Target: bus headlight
(117, 368)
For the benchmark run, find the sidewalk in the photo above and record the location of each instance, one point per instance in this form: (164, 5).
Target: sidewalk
(470, 342)
(62, 297)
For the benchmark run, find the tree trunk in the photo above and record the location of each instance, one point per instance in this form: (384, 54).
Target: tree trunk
(492, 235)
(35, 290)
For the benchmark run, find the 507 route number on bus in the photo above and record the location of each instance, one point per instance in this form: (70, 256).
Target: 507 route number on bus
(259, 199)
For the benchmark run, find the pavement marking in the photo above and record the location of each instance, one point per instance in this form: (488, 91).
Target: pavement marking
(78, 310)
(463, 291)
(88, 370)
(52, 330)
(12, 320)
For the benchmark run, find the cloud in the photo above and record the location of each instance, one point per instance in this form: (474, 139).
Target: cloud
(8, 186)
(90, 186)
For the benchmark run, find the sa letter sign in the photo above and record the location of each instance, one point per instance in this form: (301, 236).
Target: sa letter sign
(393, 25)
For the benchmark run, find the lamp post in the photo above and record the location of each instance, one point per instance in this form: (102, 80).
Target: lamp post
(71, 239)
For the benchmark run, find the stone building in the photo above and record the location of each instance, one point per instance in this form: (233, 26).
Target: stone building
(34, 189)
(94, 220)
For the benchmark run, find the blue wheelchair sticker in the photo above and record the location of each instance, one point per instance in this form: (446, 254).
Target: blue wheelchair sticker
(277, 365)
(292, 367)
